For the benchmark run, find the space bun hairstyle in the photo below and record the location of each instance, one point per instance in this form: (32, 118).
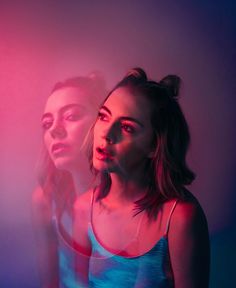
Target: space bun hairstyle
(167, 170)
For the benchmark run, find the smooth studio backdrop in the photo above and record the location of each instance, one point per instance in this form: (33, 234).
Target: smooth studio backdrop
(42, 42)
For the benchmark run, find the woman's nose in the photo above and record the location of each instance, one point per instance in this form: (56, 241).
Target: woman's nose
(111, 135)
(58, 131)
(108, 139)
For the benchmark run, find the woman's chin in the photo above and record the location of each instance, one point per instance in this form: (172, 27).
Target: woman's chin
(100, 165)
(104, 166)
(63, 164)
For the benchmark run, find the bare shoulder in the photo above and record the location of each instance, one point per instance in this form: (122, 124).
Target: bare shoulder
(39, 198)
(188, 240)
(188, 214)
(37, 195)
(41, 209)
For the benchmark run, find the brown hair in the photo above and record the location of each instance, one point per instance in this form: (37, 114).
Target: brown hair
(167, 170)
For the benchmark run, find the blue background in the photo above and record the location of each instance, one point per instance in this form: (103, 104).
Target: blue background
(42, 42)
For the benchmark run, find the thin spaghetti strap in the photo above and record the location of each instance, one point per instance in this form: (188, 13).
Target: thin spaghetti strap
(91, 205)
(169, 218)
(138, 226)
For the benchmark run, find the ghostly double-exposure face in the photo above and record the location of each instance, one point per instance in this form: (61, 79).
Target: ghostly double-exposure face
(123, 134)
(65, 122)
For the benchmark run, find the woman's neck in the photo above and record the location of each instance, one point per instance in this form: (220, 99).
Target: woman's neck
(82, 178)
(125, 191)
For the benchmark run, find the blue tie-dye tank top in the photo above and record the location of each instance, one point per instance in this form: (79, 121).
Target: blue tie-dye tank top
(73, 272)
(150, 270)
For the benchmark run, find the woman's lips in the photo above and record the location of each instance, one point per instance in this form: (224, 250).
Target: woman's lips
(103, 154)
(59, 148)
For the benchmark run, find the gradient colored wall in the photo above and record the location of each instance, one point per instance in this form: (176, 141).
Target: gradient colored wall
(45, 41)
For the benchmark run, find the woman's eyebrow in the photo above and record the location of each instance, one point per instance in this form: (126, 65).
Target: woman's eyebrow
(128, 118)
(132, 119)
(106, 109)
(66, 107)
(46, 115)
(63, 109)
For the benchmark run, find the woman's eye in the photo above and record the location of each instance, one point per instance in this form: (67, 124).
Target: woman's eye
(47, 124)
(102, 116)
(72, 117)
(128, 128)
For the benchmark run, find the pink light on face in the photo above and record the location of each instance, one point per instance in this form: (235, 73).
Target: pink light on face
(68, 114)
(122, 132)
(42, 42)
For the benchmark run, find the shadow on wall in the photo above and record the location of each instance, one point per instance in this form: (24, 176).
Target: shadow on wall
(223, 252)
(223, 255)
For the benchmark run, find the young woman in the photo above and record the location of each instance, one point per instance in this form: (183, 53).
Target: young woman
(69, 112)
(145, 229)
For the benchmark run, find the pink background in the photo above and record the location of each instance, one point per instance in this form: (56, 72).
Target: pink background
(42, 42)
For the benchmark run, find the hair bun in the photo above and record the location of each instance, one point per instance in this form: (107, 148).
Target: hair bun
(172, 83)
(137, 74)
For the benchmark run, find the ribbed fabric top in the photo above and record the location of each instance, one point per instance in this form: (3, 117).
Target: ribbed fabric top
(107, 270)
(149, 270)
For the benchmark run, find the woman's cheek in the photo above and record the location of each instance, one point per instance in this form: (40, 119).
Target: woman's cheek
(46, 140)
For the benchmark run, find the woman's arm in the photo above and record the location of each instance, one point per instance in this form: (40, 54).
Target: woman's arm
(189, 246)
(46, 240)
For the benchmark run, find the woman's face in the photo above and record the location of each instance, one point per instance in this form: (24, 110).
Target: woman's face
(122, 133)
(66, 120)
